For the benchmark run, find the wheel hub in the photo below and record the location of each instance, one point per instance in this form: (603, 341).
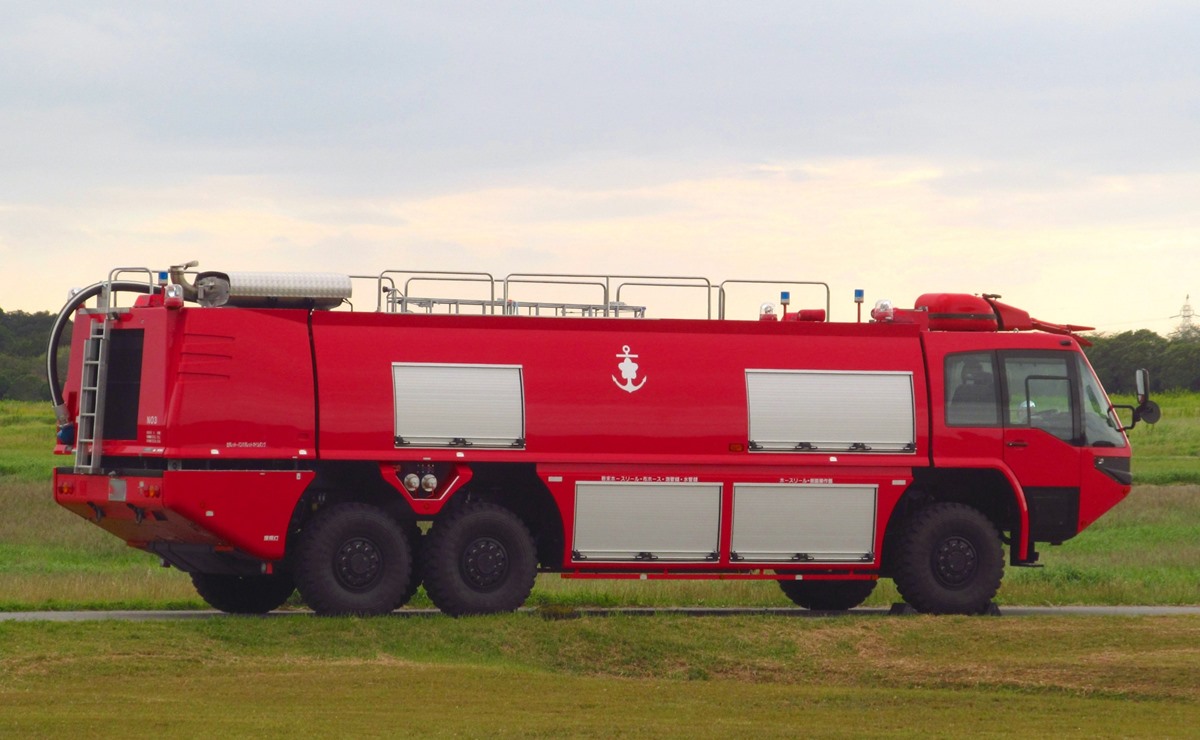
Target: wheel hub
(358, 564)
(485, 563)
(955, 561)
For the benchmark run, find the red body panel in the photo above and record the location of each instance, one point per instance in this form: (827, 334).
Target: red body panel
(130, 507)
(216, 384)
(247, 511)
(242, 385)
(690, 411)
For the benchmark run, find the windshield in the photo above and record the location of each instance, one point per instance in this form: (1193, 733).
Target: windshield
(1101, 427)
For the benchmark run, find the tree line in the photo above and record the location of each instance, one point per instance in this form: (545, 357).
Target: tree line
(23, 339)
(1173, 362)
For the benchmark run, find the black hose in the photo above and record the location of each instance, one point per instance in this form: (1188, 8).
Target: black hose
(64, 316)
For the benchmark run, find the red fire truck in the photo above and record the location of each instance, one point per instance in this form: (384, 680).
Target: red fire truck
(258, 433)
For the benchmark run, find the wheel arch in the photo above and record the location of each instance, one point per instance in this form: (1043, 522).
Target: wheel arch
(989, 490)
(339, 483)
(518, 488)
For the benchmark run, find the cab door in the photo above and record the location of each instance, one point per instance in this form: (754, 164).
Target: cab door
(1043, 439)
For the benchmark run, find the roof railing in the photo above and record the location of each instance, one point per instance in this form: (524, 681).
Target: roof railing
(519, 294)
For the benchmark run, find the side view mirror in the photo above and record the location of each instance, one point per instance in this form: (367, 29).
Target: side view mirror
(1142, 382)
(1148, 412)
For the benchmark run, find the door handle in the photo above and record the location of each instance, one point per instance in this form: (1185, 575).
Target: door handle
(1018, 443)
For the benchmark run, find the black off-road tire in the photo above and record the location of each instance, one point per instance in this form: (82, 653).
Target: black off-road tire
(827, 595)
(353, 559)
(244, 594)
(949, 560)
(481, 559)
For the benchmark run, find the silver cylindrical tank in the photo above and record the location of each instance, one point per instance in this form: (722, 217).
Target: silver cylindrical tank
(273, 289)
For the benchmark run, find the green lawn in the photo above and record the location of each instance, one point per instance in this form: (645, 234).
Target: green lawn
(27, 441)
(1169, 451)
(519, 675)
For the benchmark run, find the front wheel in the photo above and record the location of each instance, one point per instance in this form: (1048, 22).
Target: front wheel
(949, 560)
(244, 594)
(353, 559)
(827, 595)
(479, 560)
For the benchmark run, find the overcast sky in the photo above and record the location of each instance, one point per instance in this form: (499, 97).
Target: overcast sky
(1045, 151)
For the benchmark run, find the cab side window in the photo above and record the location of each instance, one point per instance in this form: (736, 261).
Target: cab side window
(971, 396)
(1039, 393)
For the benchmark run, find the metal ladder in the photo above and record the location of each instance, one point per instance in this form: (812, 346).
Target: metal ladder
(90, 440)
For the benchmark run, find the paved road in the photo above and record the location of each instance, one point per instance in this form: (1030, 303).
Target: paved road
(1007, 611)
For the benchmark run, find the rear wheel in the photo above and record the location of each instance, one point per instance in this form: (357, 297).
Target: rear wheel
(353, 559)
(828, 595)
(949, 560)
(479, 560)
(244, 594)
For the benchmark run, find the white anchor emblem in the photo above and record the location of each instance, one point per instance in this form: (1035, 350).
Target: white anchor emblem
(629, 371)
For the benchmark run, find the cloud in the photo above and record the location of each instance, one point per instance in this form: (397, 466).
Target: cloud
(889, 226)
(377, 99)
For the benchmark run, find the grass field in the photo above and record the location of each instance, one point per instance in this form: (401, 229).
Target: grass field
(519, 675)
(1169, 451)
(26, 441)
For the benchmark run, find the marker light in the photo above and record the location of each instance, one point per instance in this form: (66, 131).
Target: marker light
(883, 310)
(173, 296)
